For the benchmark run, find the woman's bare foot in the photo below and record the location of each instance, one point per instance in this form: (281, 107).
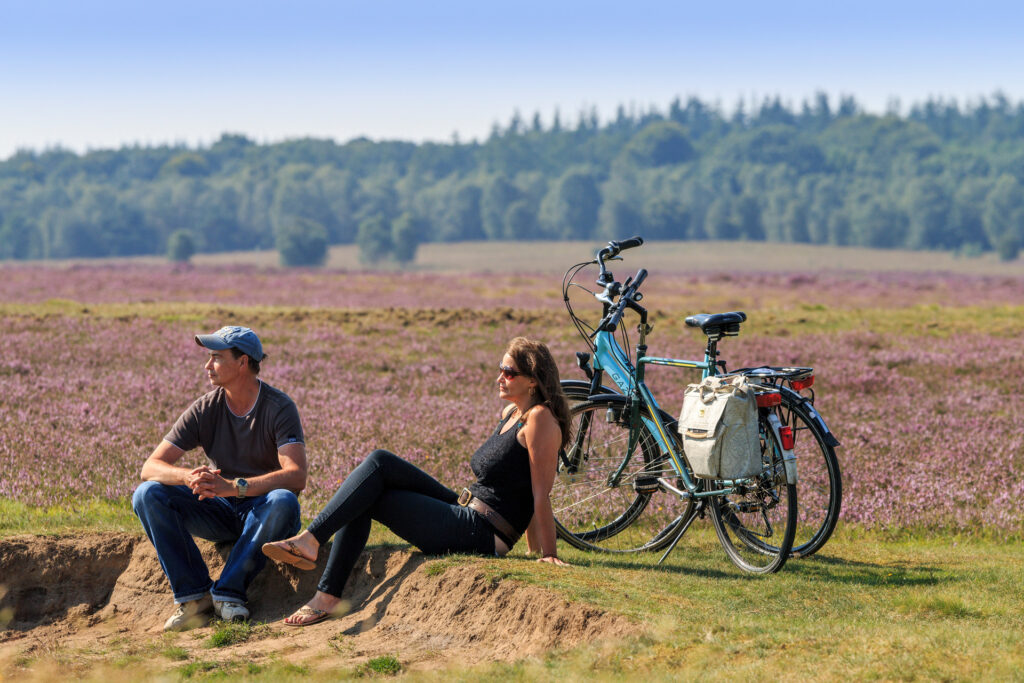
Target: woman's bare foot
(322, 606)
(299, 551)
(307, 543)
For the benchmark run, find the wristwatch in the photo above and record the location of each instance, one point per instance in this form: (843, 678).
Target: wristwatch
(242, 485)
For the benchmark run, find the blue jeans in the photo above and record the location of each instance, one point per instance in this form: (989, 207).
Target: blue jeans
(407, 500)
(172, 515)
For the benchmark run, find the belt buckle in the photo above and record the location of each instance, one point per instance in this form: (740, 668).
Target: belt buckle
(465, 497)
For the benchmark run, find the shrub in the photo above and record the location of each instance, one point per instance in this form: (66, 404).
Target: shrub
(1008, 247)
(374, 239)
(181, 246)
(406, 234)
(302, 242)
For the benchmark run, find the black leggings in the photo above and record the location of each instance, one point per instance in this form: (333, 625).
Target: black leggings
(408, 501)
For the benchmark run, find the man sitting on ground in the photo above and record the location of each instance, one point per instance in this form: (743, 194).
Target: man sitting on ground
(252, 435)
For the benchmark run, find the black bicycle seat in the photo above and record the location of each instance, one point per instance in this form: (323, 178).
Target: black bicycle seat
(717, 324)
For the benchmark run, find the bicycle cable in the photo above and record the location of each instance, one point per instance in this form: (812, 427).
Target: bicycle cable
(584, 329)
(629, 356)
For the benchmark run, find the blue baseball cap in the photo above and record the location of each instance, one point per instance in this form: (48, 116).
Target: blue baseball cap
(234, 337)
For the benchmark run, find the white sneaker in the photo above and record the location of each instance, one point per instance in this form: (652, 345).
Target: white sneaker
(230, 611)
(191, 614)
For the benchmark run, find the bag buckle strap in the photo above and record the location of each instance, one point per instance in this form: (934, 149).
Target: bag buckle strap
(465, 497)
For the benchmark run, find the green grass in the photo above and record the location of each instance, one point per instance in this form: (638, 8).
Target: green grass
(228, 633)
(871, 605)
(175, 653)
(916, 608)
(198, 668)
(106, 515)
(921, 320)
(88, 515)
(380, 666)
(439, 566)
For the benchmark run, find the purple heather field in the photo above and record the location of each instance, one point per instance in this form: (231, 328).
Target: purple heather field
(928, 415)
(253, 286)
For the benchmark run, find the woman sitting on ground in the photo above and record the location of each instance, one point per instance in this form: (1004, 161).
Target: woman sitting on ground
(515, 469)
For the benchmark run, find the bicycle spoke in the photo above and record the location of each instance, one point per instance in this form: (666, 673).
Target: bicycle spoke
(633, 513)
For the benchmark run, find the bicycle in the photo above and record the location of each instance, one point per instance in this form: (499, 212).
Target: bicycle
(620, 482)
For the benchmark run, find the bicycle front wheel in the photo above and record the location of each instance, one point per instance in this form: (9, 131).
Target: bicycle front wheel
(757, 522)
(607, 496)
(820, 482)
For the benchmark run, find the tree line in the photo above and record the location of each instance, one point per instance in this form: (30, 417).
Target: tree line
(942, 176)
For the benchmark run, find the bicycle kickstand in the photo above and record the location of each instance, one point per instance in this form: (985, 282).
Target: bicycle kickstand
(697, 509)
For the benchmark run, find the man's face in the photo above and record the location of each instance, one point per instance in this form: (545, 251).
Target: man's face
(222, 367)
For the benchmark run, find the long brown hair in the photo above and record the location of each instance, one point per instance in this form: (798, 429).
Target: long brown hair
(534, 360)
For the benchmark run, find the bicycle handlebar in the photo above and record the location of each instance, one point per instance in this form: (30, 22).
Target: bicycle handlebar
(611, 251)
(641, 275)
(635, 241)
(615, 315)
(615, 247)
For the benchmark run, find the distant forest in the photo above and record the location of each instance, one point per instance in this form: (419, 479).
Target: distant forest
(940, 177)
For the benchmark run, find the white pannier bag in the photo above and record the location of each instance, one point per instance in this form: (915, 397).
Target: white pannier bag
(718, 425)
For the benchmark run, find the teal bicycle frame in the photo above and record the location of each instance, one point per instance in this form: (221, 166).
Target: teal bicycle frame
(611, 359)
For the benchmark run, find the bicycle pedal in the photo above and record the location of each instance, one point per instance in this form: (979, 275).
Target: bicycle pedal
(646, 486)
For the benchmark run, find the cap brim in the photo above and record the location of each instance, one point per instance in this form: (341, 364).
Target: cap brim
(212, 341)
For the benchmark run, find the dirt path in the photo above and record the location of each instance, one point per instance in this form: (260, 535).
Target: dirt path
(80, 602)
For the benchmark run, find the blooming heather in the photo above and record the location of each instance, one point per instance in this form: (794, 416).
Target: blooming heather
(253, 286)
(928, 417)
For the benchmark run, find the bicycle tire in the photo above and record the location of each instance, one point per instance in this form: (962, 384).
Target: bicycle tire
(633, 514)
(749, 520)
(820, 483)
(577, 391)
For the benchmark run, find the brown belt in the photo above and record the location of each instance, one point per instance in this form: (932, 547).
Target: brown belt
(467, 499)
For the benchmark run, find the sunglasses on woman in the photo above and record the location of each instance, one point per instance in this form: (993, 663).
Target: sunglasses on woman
(508, 372)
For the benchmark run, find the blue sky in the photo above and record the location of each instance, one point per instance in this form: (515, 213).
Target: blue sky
(89, 75)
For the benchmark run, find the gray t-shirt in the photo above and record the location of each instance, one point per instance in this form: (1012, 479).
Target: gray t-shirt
(240, 446)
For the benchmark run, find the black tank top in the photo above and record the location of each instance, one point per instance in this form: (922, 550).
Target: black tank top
(502, 469)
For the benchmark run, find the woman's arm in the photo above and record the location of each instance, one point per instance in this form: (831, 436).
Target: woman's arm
(543, 439)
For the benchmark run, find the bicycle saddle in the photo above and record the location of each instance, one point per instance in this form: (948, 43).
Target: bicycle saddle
(717, 324)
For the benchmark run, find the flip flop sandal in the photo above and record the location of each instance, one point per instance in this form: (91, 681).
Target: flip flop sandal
(289, 555)
(307, 611)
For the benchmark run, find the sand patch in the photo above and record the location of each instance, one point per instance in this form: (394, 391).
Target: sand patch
(90, 594)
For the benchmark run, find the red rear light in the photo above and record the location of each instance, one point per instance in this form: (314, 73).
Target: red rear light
(786, 433)
(801, 384)
(769, 400)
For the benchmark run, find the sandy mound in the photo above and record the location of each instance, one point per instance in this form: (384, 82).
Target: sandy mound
(82, 592)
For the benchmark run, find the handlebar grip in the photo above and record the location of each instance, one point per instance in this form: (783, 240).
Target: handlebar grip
(614, 247)
(630, 243)
(613, 319)
(641, 275)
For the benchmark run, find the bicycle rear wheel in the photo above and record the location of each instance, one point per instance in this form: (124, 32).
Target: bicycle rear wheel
(757, 522)
(597, 506)
(820, 482)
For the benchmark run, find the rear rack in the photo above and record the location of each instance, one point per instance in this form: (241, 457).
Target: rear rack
(773, 373)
